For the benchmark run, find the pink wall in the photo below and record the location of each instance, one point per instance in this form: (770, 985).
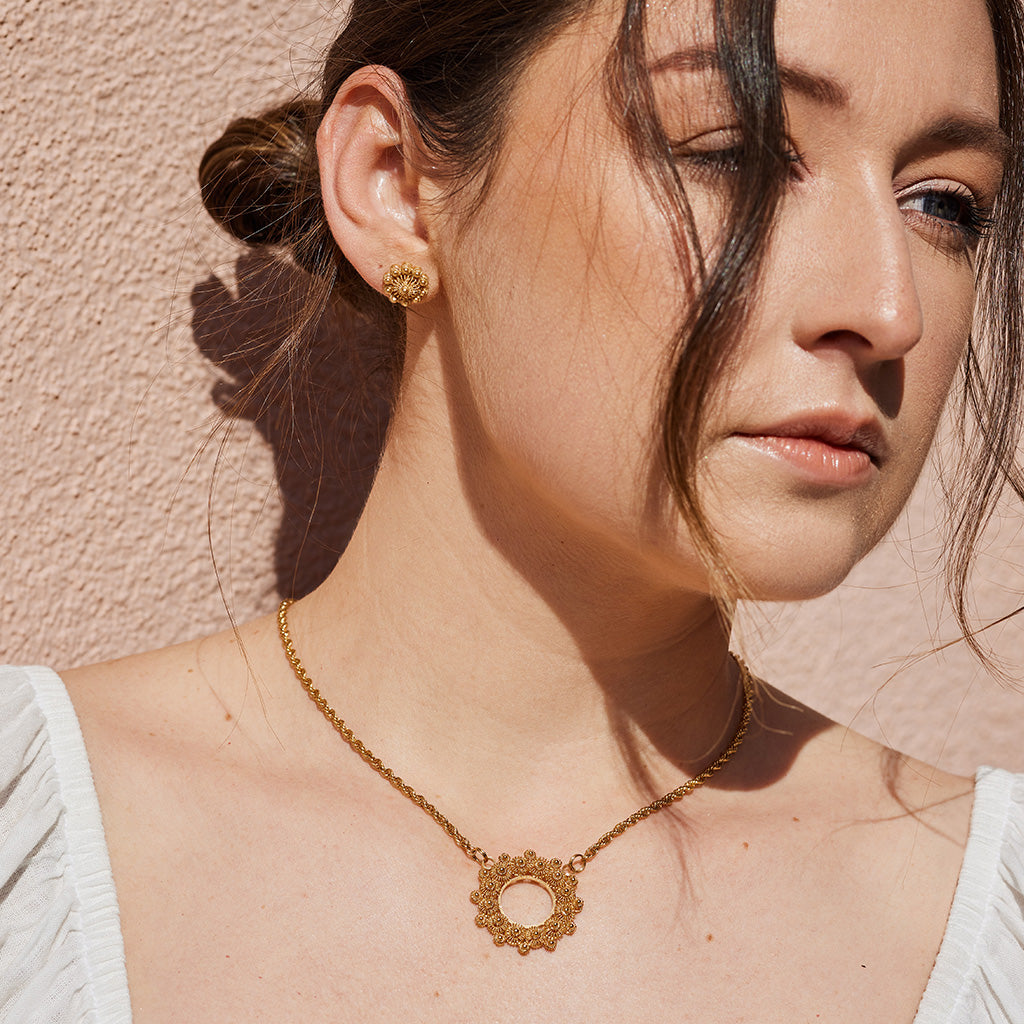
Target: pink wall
(106, 108)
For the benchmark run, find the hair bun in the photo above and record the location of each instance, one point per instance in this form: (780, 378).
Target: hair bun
(259, 180)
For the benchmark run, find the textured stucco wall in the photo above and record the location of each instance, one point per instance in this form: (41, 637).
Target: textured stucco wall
(105, 108)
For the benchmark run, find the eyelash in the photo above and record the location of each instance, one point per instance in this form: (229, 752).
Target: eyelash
(977, 219)
(975, 225)
(714, 163)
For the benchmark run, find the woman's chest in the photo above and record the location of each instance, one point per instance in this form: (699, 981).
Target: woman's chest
(290, 909)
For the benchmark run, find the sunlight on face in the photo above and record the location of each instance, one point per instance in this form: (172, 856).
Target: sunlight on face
(565, 290)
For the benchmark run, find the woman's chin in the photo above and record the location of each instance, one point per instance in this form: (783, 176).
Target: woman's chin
(791, 570)
(806, 588)
(799, 570)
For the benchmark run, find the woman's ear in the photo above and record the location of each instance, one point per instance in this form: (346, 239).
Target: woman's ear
(371, 188)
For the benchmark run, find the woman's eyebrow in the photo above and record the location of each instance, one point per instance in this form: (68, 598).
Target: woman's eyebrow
(966, 131)
(818, 87)
(959, 131)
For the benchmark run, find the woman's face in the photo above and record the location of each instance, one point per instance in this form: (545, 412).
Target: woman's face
(565, 291)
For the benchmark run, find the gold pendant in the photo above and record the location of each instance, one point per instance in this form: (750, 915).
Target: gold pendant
(552, 876)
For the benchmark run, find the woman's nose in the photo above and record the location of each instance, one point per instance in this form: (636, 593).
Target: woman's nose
(857, 289)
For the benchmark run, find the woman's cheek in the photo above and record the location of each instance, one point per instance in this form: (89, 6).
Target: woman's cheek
(947, 291)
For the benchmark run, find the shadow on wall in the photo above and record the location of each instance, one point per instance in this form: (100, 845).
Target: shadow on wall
(325, 426)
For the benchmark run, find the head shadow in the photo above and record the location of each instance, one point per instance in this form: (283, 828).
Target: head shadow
(323, 411)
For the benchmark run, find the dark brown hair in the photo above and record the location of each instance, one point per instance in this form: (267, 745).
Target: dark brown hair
(460, 62)
(990, 402)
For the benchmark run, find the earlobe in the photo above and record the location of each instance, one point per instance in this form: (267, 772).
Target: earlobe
(371, 191)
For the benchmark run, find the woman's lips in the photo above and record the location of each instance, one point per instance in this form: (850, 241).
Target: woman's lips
(817, 459)
(835, 454)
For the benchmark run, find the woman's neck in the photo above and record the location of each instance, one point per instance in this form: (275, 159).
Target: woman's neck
(456, 629)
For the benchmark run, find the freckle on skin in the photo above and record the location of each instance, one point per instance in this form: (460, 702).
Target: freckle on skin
(746, 846)
(796, 819)
(227, 716)
(710, 937)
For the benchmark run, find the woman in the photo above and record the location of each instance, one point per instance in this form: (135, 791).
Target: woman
(674, 324)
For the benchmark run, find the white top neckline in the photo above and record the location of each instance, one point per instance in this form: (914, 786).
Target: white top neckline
(60, 936)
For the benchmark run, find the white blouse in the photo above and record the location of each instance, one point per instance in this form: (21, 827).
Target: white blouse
(62, 956)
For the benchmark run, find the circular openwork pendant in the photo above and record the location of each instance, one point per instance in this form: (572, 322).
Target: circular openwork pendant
(552, 876)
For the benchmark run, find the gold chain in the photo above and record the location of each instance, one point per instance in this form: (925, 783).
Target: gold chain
(578, 861)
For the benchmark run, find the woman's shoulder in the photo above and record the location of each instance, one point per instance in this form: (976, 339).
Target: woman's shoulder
(979, 971)
(61, 955)
(840, 774)
(975, 824)
(942, 833)
(124, 736)
(181, 694)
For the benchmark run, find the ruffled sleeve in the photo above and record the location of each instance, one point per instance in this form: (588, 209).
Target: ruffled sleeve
(978, 977)
(61, 952)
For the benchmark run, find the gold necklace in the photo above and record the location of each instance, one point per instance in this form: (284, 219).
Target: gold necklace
(556, 878)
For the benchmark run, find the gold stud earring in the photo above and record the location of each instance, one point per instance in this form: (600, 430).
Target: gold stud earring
(405, 283)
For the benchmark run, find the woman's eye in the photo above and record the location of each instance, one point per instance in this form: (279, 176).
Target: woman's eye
(719, 153)
(953, 210)
(714, 152)
(713, 161)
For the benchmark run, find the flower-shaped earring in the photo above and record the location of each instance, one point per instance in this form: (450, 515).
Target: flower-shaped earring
(405, 283)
